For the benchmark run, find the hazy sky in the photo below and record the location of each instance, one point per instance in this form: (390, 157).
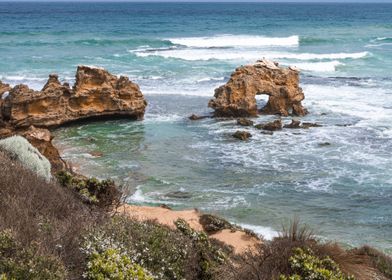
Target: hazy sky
(313, 1)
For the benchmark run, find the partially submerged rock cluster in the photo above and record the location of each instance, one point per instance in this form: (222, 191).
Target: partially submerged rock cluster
(95, 94)
(237, 98)
(269, 127)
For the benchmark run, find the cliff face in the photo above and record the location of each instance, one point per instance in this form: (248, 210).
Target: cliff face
(96, 93)
(237, 98)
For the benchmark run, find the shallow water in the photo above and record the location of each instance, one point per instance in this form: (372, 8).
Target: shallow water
(179, 53)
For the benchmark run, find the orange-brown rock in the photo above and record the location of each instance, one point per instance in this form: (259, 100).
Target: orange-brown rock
(42, 139)
(96, 93)
(237, 98)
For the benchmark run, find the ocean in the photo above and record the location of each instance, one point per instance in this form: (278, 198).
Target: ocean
(179, 53)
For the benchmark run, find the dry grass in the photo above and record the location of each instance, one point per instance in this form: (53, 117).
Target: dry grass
(44, 214)
(271, 259)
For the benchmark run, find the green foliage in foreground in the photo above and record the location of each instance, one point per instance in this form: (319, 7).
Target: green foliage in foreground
(210, 257)
(17, 262)
(91, 190)
(306, 266)
(112, 265)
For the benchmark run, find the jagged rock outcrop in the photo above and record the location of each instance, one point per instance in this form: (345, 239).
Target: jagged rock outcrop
(237, 98)
(96, 93)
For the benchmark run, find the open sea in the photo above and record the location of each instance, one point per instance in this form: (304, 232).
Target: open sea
(178, 54)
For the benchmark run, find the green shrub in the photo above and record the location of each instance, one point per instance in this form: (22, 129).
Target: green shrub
(306, 266)
(18, 262)
(92, 191)
(210, 257)
(20, 149)
(167, 253)
(212, 224)
(112, 265)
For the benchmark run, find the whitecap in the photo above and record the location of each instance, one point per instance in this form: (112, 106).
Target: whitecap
(319, 66)
(236, 41)
(245, 55)
(266, 232)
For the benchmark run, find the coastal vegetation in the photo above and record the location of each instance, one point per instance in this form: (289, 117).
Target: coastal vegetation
(68, 229)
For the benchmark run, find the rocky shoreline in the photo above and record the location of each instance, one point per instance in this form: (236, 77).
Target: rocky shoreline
(97, 94)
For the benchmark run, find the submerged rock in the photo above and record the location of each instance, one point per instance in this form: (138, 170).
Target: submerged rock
(297, 124)
(293, 124)
(96, 93)
(270, 126)
(242, 135)
(244, 122)
(308, 124)
(237, 98)
(194, 117)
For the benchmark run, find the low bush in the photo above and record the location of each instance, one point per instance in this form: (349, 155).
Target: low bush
(166, 253)
(25, 262)
(378, 260)
(272, 259)
(44, 217)
(112, 265)
(306, 266)
(212, 224)
(21, 150)
(104, 194)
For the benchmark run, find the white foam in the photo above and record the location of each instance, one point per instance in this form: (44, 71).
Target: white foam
(245, 55)
(210, 79)
(236, 41)
(319, 66)
(267, 232)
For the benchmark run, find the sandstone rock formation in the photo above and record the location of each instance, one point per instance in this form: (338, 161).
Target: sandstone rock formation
(96, 93)
(237, 98)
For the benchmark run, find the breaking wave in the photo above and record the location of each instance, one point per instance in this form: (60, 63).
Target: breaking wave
(236, 41)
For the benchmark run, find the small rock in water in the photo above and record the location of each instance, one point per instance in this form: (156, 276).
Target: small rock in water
(271, 126)
(242, 135)
(266, 132)
(293, 124)
(194, 117)
(324, 144)
(165, 206)
(179, 195)
(308, 124)
(244, 122)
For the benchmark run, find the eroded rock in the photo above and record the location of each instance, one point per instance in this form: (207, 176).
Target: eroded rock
(270, 126)
(293, 124)
(194, 117)
(237, 98)
(96, 93)
(242, 135)
(41, 139)
(244, 122)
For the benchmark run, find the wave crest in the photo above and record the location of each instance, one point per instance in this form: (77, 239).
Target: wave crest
(236, 41)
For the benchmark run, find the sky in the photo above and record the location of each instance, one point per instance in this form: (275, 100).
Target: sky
(308, 1)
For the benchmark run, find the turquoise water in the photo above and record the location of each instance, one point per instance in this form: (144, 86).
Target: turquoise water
(179, 53)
